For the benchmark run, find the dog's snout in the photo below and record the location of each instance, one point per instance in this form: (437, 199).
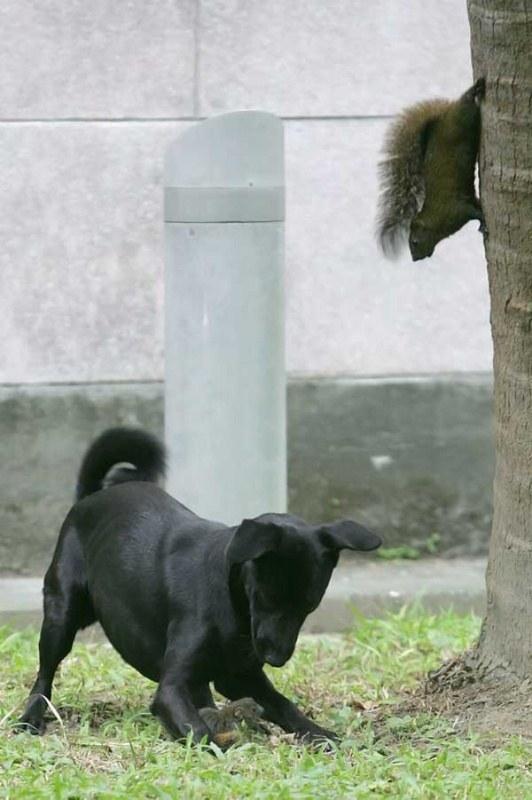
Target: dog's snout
(272, 654)
(275, 659)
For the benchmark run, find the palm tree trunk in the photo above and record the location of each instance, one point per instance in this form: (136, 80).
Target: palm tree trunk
(501, 43)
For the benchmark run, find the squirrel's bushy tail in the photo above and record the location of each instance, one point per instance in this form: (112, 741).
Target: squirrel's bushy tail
(401, 173)
(144, 454)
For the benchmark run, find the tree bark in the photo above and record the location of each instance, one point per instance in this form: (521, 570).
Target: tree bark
(501, 44)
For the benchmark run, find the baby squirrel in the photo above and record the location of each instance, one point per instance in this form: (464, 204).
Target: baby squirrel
(428, 174)
(225, 721)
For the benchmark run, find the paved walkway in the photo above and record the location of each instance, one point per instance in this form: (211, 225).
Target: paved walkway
(369, 587)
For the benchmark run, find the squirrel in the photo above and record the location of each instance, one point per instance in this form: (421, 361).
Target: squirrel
(225, 721)
(427, 175)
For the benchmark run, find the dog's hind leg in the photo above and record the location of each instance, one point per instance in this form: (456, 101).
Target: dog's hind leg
(67, 608)
(58, 630)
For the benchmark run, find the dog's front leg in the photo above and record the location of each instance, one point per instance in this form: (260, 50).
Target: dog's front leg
(173, 704)
(277, 708)
(179, 690)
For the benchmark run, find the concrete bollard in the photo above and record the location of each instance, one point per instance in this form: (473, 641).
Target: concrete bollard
(225, 414)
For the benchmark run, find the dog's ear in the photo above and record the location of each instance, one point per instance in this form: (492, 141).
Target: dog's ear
(348, 535)
(252, 539)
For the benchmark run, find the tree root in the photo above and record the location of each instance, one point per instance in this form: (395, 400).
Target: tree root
(478, 693)
(469, 668)
(452, 675)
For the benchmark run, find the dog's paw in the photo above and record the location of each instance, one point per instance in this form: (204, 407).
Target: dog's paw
(320, 737)
(32, 720)
(27, 724)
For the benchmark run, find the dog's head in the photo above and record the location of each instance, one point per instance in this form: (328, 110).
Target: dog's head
(285, 568)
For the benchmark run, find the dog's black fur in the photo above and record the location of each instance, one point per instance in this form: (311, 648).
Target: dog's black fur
(184, 600)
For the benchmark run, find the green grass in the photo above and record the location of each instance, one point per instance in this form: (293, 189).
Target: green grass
(109, 746)
(405, 551)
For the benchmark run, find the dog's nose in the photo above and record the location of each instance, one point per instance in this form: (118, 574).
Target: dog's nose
(272, 655)
(268, 653)
(275, 659)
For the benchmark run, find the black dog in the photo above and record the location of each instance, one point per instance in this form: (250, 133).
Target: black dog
(184, 600)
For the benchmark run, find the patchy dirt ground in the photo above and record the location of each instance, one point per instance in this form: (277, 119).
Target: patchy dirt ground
(495, 708)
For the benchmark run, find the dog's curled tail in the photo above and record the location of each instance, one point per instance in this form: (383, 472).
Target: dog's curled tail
(141, 456)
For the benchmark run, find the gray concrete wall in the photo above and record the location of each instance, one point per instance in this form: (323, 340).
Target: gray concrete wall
(411, 458)
(90, 95)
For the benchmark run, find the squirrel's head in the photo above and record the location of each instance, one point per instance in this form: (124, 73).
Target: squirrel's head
(247, 708)
(422, 239)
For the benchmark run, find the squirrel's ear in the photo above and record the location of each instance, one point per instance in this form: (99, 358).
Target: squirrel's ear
(424, 136)
(252, 539)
